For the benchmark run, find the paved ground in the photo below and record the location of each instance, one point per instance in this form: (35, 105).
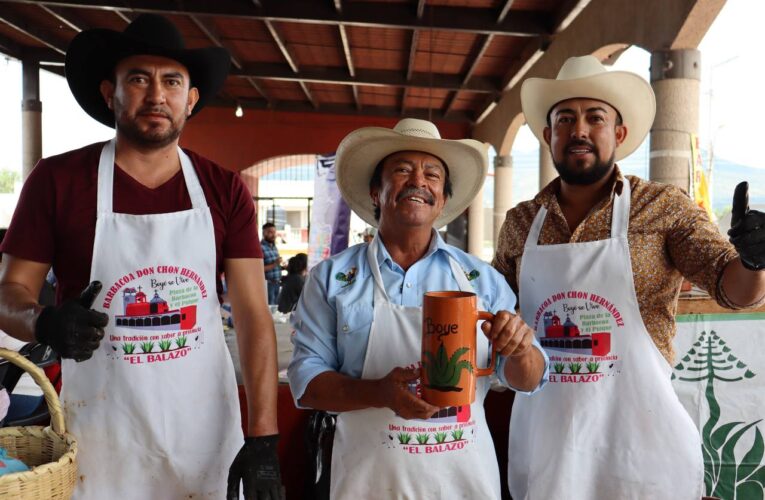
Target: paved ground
(283, 346)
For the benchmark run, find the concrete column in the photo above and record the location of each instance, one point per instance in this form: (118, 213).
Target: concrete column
(475, 225)
(31, 116)
(675, 77)
(503, 189)
(547, 170)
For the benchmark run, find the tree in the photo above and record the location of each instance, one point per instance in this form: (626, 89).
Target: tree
(710, 359)
(7, 179)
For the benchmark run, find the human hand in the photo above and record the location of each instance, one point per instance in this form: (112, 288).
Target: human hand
(394, 391)
(747, 230)
(257, 467)
(509, 335)
(73, 329)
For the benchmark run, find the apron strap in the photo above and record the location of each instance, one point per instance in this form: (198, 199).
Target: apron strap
(532, 239)
(459, 275)
(192, 181)
(380, 294)
(620, 215)
(105, 179)
(105, 198)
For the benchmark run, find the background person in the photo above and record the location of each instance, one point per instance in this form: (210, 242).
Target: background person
(272, 262)
(292, 284)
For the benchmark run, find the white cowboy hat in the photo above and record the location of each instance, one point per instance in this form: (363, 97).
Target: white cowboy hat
(361, 150)
(586, 77)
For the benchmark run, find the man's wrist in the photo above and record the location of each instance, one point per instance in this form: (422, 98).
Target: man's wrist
(522, 365)
(268, 441)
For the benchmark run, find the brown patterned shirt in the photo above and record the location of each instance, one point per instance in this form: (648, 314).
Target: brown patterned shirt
(669, 237)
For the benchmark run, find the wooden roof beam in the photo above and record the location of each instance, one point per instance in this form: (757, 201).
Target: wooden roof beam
(420, 8)
(344, 109)
(479, 51)
(347, 53)
(368, 77)
(290, 60)
(34, 32)
(73, 22)
(124, 15)
(356, 98)
(388, 15)
(214, 37)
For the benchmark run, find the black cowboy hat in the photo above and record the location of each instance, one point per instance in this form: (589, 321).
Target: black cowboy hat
(93, 54)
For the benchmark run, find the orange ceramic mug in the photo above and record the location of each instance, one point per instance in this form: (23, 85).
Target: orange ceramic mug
(449, 340)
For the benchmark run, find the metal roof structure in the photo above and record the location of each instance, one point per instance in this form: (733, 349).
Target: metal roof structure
(438, 59)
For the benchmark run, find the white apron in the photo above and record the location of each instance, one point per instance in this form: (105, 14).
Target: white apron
(608, 425)
(155, 410)
(378, 455)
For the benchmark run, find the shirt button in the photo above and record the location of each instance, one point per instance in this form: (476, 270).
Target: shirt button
(345, 328)
(409, 285)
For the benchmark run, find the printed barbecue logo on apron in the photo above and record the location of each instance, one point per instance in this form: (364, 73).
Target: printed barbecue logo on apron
(575, 328)
(450, 429)
(157, 326)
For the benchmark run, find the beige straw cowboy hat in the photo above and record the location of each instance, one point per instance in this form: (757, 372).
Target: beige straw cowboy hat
(361, 151)
(586, 77)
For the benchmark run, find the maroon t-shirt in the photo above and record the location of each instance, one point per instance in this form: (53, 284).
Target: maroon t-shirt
(55, 219)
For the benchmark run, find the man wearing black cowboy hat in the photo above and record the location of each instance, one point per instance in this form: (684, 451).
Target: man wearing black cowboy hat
(149, 389)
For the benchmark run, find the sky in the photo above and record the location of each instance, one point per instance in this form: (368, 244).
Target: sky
(732, 53)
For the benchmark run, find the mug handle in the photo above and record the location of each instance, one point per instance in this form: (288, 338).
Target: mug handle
(484, 372)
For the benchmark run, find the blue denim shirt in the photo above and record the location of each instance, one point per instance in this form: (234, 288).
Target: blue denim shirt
(334, 314)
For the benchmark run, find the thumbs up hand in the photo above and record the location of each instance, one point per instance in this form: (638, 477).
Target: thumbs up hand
(73, 329)
(747, 230)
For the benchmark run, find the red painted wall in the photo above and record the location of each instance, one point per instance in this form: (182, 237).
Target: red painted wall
(238, 143)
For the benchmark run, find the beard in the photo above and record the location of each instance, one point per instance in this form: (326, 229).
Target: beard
(584, 177)
(153, 137)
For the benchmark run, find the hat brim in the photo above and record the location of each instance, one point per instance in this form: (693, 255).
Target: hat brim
(93, 54)
(362, 150)
(626, 92)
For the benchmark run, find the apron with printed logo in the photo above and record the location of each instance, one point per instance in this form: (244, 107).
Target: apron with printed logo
(608, 425)
(155, 411)
(379, 455)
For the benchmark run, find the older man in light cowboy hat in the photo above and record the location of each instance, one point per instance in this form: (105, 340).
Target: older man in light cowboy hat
(598, 259)
(358, 321)
(149, 388)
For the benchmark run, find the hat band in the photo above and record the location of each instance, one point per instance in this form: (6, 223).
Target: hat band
(418, 132)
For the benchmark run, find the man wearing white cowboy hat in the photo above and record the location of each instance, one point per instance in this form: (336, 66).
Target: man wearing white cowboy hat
(358, 321)
(598, 259)
(148, 385)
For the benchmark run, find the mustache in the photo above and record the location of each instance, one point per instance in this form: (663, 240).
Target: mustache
(420, 193)
(580, 142)
(154, 111)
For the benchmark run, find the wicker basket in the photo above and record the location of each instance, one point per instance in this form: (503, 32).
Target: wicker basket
(50, 452)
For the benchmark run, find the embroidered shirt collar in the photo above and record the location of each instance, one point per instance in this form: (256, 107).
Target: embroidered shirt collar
(549, 194)
(436, 243)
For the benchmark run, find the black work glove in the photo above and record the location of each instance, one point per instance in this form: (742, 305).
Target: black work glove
(257, 466)
(747, 230)
(73, 329)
